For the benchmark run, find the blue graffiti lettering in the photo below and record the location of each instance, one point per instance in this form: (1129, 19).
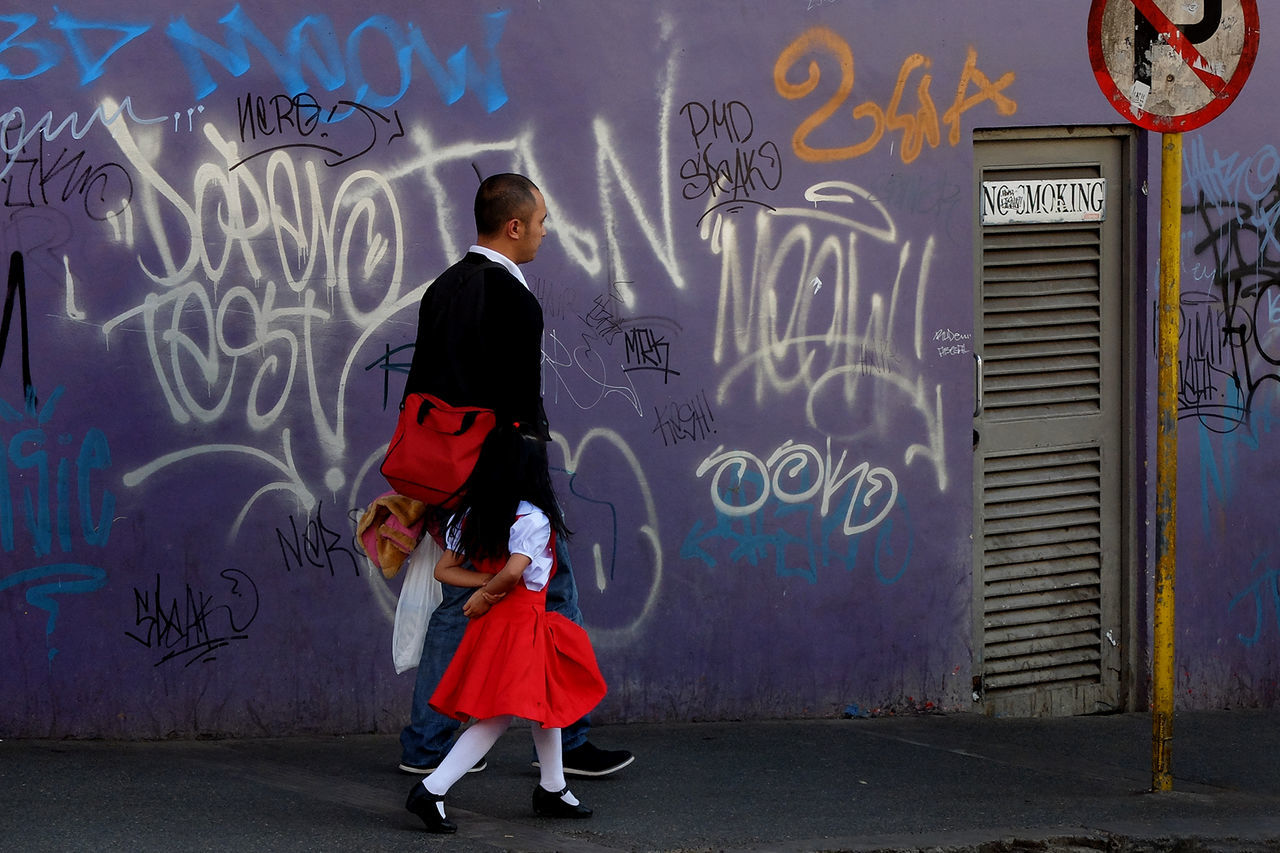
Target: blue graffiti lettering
(797, 530)
(1264, 590)
(71, 29)
(44, 484)
(1223, 454)
(44, 54)
(312, 48)
(86, 579)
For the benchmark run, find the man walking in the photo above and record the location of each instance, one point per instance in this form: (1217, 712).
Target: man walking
(479, 343)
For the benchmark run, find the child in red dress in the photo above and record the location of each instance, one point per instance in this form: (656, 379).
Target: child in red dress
(516, 659)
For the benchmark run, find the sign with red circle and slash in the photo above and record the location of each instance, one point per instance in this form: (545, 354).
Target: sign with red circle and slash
(1172, 65)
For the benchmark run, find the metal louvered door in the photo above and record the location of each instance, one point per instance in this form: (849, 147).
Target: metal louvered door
(1049, 435)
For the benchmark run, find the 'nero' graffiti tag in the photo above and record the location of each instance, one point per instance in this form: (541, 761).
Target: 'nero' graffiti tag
(281, 118)
(316, 545)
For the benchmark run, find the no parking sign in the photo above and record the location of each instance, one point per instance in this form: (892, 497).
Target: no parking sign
(1169, 66)
(1172, 65)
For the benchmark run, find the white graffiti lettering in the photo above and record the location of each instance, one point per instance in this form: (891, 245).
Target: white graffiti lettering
(770, 326)
(795, 474)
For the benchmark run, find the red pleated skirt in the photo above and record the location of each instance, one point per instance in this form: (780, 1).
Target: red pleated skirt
(521, 660)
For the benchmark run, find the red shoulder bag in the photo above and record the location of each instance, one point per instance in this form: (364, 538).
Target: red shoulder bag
(435, 448)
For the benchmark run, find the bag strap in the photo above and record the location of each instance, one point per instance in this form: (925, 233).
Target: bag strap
(17, 288)
(468, 418)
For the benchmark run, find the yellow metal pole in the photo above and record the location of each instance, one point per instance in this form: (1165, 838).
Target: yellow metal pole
(1162, 678)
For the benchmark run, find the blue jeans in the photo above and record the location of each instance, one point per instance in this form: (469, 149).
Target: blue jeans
(429, 735)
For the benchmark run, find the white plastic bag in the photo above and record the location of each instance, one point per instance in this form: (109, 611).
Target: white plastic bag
(419, 596)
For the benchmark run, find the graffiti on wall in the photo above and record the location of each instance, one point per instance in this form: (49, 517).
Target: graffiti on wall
(225, 355)
(189, 626)
(312, 53)
(731, 167)
(1229, 337)
(691, 419)
(794, 316)
(717, 306)
(803, 507)
(1259, 602)
(774, 335)
(52, 497)
(873, 119)
(1230, 331)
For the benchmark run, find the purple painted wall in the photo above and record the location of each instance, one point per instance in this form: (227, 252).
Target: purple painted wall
(221, 298)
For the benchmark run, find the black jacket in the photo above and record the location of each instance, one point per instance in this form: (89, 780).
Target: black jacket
(480, 343)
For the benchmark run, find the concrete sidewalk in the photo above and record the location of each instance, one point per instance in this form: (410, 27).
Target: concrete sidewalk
(943, 782)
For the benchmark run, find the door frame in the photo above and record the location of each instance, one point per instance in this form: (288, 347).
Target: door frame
(1134, 372)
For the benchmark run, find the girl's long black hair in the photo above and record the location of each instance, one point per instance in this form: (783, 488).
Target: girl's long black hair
(512, 467)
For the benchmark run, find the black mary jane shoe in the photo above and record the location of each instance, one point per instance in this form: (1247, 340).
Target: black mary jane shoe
(430, 808)
(552, 804)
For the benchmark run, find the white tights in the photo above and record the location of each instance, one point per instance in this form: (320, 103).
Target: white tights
(479, 738)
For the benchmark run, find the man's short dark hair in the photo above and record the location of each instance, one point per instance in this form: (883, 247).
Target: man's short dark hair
(502, 198)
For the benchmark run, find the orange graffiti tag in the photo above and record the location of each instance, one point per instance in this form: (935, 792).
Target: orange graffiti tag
(917, 127)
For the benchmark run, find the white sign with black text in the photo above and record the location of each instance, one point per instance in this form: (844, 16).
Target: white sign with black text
(1028, 202)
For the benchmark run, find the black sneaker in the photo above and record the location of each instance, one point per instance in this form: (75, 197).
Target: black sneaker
(590, 760)
(424, 769)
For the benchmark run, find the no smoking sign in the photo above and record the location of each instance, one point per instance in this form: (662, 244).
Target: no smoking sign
(1172, 65)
